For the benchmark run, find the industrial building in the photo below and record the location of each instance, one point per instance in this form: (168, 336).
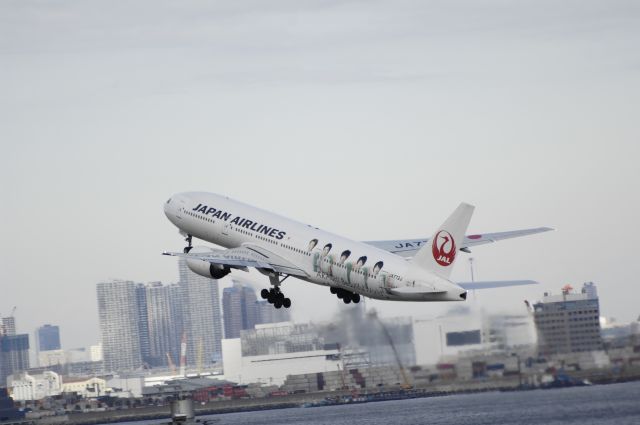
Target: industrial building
(37, 386)
(26, 386)
(569, 322)
(370, 377)
(470, 330)
(270, 352)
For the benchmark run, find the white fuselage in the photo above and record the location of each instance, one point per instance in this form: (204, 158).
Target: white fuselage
(328, 259)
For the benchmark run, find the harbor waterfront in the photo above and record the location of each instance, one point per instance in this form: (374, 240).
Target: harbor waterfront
(322, 401)
(599, 404)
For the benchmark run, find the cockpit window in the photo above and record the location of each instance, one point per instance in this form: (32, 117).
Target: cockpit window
(169, 200)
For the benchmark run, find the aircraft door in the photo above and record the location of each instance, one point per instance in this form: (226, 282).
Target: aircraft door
(225, 232)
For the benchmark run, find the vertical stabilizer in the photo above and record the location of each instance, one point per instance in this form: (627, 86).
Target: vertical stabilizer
(440, 253)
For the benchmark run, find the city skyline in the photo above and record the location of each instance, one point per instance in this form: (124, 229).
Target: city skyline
(164, 330)
(264, 309)
(565, 323)
(160, 301)
(368, 120)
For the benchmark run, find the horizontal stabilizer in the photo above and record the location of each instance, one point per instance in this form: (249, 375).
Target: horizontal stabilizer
(415, 290)
(488, 284)
(408, 247)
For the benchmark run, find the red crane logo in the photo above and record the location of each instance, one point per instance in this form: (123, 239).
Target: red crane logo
(443, 248)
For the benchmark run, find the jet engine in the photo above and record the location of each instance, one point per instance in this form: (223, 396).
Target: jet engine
(204, 268)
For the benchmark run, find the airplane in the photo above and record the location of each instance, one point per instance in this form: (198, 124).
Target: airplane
(278, 247)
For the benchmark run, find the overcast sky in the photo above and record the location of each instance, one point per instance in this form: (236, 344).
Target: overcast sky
(372, 119)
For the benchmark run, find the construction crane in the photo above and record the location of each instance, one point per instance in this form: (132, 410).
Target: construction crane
(172, 366)
(405, 381)
(200, 351)
(183, 355)
(344, 383)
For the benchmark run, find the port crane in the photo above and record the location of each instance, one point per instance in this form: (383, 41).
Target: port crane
(405, 380)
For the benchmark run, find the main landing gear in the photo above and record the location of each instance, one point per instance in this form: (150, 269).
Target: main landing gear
(346, 296)
(276, 297)
(189, 246)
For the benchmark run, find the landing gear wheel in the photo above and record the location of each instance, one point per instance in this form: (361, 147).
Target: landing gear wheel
(340, 294)
(274, 295)
(355, 298)
(333, 290)
(346, 300)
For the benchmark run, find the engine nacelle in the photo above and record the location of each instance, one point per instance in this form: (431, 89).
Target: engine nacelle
(206, 269)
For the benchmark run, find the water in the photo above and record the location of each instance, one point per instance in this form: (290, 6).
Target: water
(617, 404)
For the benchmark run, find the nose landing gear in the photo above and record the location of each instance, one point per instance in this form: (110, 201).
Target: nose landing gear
(189, 246)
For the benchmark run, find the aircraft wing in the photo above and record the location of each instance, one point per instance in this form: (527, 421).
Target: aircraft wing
(247, 255)
(408, 247)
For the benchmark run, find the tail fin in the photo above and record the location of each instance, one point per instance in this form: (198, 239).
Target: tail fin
(440, 253)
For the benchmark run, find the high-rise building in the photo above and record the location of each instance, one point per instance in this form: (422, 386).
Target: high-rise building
(119, 325)
(201, 316)
(14, 355)
(143, 322)
(47, 338)
(14, 349)
(8, 326)
(95, 353)
(267, 313)
(164, 322)
(569, 322)
(239, 309)
(176, 313)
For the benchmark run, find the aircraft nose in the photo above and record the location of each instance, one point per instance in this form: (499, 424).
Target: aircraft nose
(168, 207)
